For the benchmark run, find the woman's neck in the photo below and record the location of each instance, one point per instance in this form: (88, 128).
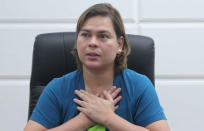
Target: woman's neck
(98, 81)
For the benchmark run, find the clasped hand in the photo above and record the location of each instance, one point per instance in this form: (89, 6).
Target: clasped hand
(98, 107)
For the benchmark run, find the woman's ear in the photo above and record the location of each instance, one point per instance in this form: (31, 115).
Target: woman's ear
(120, 44)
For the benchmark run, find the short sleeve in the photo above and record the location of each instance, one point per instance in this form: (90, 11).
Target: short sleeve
(47, 110)
(149, 109)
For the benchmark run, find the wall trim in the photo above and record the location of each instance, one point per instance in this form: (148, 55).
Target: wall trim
(50, 20)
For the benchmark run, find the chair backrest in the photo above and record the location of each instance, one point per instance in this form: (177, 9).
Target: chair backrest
(52, 58)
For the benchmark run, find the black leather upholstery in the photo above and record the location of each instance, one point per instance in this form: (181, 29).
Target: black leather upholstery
(52, 58)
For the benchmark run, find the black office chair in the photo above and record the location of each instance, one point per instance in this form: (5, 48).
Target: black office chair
(52, 58)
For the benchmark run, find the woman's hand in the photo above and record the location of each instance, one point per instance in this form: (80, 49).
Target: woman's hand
(96, 108)
(114, 93)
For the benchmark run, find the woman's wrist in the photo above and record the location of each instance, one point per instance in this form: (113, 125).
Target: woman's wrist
(85, 121)
(108, 119)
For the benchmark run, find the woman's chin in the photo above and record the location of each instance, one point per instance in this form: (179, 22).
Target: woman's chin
(94, 66)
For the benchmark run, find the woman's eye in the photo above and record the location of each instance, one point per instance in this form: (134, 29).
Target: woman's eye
(103, 36)
(85, 34)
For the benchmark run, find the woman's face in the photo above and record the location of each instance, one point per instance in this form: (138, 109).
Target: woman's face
(97, 43)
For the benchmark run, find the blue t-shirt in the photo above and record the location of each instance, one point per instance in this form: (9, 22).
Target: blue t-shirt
(139, 104)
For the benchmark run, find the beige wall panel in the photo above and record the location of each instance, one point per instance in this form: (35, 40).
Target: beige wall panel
(179, 48)
(168, 10)
(182, 103)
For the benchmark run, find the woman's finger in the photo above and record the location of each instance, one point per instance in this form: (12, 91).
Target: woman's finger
(116, 100)
(81, 109)
(112, 89)
(97, 94)
(116, 92)
(79, 102)
(87, 94)
(101, 96)
(107, 96)
(116, 107)
(81, 95)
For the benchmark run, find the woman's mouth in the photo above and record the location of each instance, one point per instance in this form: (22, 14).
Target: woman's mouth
(92, 56)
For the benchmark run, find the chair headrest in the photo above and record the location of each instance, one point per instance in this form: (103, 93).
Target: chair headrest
(52, 57)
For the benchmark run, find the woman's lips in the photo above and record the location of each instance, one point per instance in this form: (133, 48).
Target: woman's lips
(92, 56)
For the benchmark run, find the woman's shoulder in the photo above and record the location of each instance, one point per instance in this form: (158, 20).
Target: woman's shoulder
(136, 80)
(134, 76)
(72, 75)
(61, 82)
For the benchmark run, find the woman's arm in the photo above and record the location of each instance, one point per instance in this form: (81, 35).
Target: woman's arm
(102, 111)
(160, 125)
(78, 123)
(116, 123)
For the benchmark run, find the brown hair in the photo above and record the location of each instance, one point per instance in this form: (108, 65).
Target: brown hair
(106, 10)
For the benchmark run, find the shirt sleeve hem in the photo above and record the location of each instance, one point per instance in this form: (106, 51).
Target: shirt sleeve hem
(43, 123)
(155, 118)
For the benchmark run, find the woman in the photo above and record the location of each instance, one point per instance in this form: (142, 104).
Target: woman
(102, 93)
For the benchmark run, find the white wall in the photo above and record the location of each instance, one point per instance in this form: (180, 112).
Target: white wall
(176, 26)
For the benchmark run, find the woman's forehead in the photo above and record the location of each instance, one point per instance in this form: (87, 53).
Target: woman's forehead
(98, 23)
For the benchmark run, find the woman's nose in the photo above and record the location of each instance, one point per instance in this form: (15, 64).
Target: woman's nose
(93, 42)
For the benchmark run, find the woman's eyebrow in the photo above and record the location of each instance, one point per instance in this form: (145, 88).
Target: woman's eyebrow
(100, 32)
(85, 30)
(104, 31)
